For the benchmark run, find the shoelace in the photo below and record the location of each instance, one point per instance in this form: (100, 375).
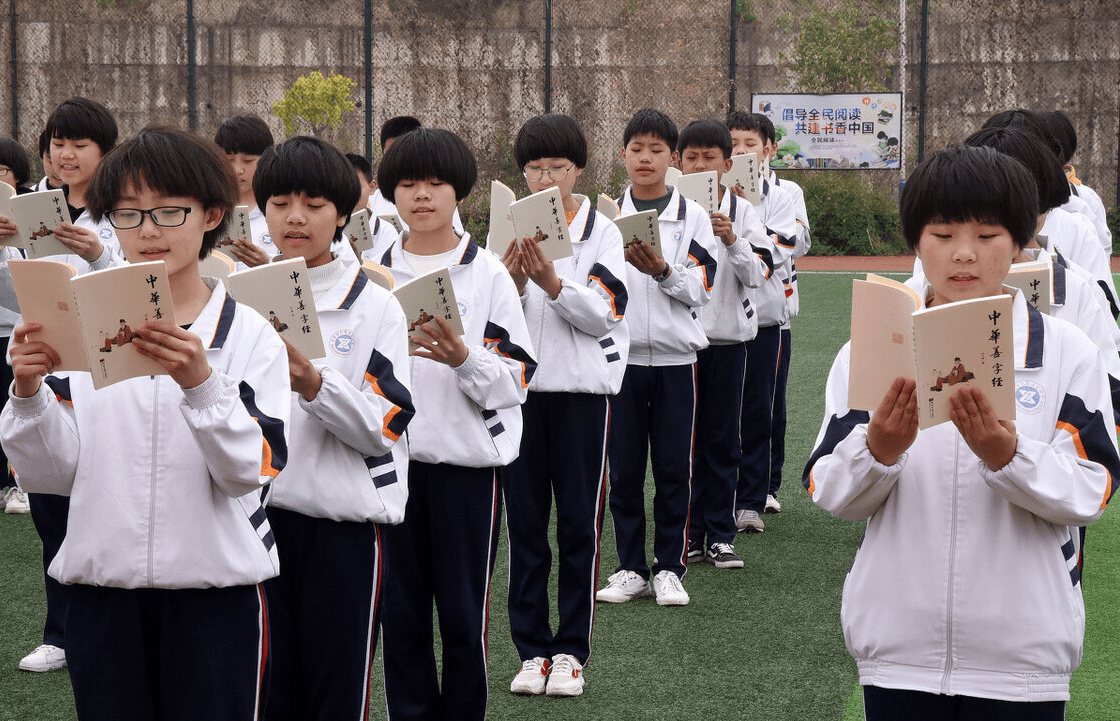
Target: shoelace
(535, 666)
(722, 548)
(563, 666)
(673, 581)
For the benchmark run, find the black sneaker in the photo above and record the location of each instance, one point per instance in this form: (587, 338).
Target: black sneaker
(695, 552)
(722, 555)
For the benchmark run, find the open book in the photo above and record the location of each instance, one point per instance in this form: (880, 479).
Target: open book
(605, 204)
(1035, 279)
(541, 217)
(427, 296)
(217, 264)
(744, 175)
(378, 273)
(701, 187)
(238, 227)
(671, 176)
(950, 346)
(36, 215)
(641, 227)
(394, 220)
(281, 292)
(502, 232)
(358, 231)
(90, 319)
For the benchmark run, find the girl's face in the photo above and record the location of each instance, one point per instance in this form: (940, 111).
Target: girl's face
(425, 206)
(543, 173)
(75, 160)
(965, 260)
(303, 227)
(177, 246)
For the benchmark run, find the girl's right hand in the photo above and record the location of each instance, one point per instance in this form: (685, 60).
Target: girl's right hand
(31, 360)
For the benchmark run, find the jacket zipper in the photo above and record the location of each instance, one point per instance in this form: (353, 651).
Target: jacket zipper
(152, 484)
(952, 556)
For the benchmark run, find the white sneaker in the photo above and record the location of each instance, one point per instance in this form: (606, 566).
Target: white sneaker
(749, 521)
(566, 678)
(668, 589)
(15, 501)
(623, 586)
(45, 658)
(772, 505)
(532, 677)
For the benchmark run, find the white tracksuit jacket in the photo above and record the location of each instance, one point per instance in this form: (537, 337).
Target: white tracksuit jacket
(730, 317)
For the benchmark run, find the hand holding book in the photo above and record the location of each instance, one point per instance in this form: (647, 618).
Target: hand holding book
(436, 340)
(178, 351)
(894, 424)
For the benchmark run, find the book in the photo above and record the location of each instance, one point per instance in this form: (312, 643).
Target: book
(89, 319)
(502, 232)
(7, 192)
(541, 217)
(671, 176)
(605, 204)
(37, 215)
(358, 231)
(378, 273)
(427, 296)
(281, 292)
(1035, 279)
(394, 220)
(744, 175)
(701, 187)
(967, 343)
(238, 227)
(641, 227)
(217, 265)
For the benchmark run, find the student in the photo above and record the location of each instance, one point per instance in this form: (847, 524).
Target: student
(379, 204)
(167, 542)
(575, 308)
(762, 427)
(729, 320)
(347, 466)
(468, 393)
(243, 138)
(654, 411)
(987, 509)
(1083, 199)
(50, 179)
(384, 234)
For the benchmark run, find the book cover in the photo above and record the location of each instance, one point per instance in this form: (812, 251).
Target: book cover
(358, 231)
(641, 227)
(378, 273)
(605, 204)
(281, 292)
(944, 348)
(37, 215)
(1035, 279)
(701, 187)
(744, 175)
(541, 217)
(89, 319)
(502, 232)
(671, 176)
(7, 192)
(238, 227)
(394, 220)
(217, 265)
(427, 296)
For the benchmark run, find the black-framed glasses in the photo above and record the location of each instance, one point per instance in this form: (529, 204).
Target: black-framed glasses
(557, 173)
(167, 216)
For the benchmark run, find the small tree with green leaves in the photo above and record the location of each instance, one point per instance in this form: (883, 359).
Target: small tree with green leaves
(315, 103)
(840, 50)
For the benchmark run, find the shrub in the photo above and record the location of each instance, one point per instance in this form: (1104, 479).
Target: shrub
(849, 217)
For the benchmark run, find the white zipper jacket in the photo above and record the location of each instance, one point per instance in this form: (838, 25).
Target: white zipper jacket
(730, 317)
(165, 484)
(778, 213)
(967, 579)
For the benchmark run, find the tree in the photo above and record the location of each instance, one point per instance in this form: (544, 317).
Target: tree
(315, 103)
(838, 51)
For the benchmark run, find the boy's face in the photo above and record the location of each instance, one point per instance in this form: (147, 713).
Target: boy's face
(967, 260)
(303, 227)
(75, 160)
(244, 167)
(561, 172)
(425, 205)
(178, 247)
(647, 157)
(702, 160)
(749, 141)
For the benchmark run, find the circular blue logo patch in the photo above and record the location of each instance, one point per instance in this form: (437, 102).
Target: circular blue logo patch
(1029, 397)
(464, 309)
(105, 233)
(342, 343)
(266, 239)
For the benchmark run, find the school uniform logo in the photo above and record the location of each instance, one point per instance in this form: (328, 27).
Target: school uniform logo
(1029, 397)
(677, 235)
(464, 309)
(342, 343)
(105, 233)
(266, 239)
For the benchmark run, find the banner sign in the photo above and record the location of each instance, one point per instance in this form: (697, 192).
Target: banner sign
(839, 131)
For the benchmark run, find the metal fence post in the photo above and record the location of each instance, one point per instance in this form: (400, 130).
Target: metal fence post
(548, 56)
(192, 70)
(922, 83)
(15, 69)
(368, 38)
(731, 64)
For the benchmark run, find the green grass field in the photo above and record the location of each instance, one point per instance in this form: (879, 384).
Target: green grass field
(762, 643)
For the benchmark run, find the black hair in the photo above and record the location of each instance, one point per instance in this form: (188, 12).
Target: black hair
(15, 157)
(396, 127)
(172, 162)
(246, 134)
(759, 123)
(81, 119)
(1027, 120)
(1061, 128)
(427, 153)
(44, 143)
(706, 134)
(965, 183)
(550, 136)
(310, 166)
(651, 122)
(1053, 187)
(360, 164)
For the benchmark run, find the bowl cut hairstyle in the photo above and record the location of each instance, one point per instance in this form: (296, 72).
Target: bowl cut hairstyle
(1061, 128)
(1053, 187)
(424, 154)
(360, 164)
(706, 134)
(396, 127)
(171, 162)
(309, 166)
(44, 143)
(80, 119)
(963, 183)
(550, 136)
(246, 134)
(759, 123)
(15, 157)
(1026, 120)
(651, 122)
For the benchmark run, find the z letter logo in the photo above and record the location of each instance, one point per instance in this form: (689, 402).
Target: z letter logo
(1029, 397)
